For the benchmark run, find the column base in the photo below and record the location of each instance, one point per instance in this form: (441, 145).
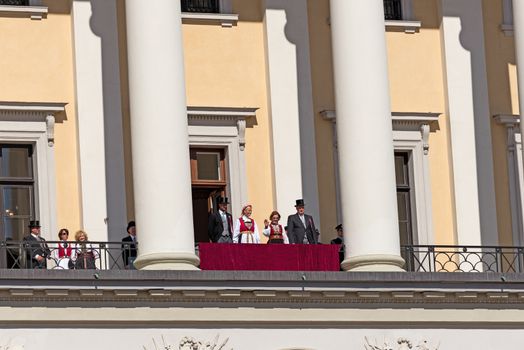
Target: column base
(374, 262)
(167, 261)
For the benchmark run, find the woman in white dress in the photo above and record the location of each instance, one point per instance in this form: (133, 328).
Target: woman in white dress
(246, 229)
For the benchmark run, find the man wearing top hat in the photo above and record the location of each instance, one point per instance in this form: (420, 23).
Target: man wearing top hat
(300, 226)
(220, 224)
(37, 248)
(129, 246)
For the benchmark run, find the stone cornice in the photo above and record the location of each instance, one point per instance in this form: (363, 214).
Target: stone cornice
(242, 288)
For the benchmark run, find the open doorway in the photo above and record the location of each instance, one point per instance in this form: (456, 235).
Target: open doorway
(208, 182)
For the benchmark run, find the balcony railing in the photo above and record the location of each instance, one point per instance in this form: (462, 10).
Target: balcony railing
(201, 6)
(14, 2)
(90, 255)
(449, 258)
(393, 10)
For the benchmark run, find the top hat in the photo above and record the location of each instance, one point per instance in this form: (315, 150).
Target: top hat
(222, 200)
(34, 223)
(300, 203)
(130, 224)
(338, 227)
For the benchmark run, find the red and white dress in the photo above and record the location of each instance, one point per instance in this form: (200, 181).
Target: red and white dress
(245, 231)
(63, 253)
(276, 234)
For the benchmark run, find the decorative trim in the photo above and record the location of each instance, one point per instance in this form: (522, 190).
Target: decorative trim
(226, 20)
(515, 173)
(401, 344)
(30, 111)
(34, 12)
(409, 27)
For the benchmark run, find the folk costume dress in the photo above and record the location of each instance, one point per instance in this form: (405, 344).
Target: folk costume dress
(246, 231)
(276, 234)
(62, 254)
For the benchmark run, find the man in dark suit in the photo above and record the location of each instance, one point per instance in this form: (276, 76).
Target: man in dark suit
(220, 224)
(339, 240)
(129, 246)
(37, 250)
(300, 226)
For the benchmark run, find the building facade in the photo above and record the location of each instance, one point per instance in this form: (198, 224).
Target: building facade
(398, 119)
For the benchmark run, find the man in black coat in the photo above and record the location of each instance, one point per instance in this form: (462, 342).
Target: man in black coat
(220, 224)
(37, 249)
(340, 240)
(129, 246)
(300, 226)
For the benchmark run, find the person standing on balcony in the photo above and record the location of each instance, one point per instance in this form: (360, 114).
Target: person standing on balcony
(300, 226)
(339, 240)
(64, 249)
(220, 224)
(37, 249)
(246, 229)
(129, 246)
(274, 230)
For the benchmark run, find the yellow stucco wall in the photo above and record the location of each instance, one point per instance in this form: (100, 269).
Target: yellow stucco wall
(500, 63)
(416, 79)
(36, 65)
(225, 67)
(416, 85)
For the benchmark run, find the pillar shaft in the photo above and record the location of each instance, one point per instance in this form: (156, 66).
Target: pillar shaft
(366, 164)
(159, 131)
(518, 33)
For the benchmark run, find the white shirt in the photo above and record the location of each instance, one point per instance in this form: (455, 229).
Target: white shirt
(243, 238)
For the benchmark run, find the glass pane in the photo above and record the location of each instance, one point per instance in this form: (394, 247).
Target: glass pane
(402, 202)
(17, 201)
(401, 170)
(15, 228)
(208, 166)
(15, 162)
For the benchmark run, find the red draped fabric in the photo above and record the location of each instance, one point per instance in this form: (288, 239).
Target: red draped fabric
(269, 257)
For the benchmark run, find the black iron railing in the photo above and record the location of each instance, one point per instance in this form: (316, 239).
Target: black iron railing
(393, 9)
(202, 6)
(48, 255)
(14, 2)
(448, 258)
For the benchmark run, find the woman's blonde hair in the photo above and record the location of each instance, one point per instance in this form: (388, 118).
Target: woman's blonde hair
(80, 233)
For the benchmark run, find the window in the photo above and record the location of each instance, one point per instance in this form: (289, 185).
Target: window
(207, 167)
(404, 198)
(201, 6)
(393, 10)
(16, 190)
(14, 2)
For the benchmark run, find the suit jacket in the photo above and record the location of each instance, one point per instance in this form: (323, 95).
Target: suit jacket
(215, 226)
(128, 249)
(296, 230)
(36, 247)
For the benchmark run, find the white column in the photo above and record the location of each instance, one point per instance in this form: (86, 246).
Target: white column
(518, 33)
(470, 122)
(90, 119)
(366, 165)
(159, 136)
(291, 105)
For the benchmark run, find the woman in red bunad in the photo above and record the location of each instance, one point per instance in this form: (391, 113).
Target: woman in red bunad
(63, 252)
(274, 230)
(246, 230)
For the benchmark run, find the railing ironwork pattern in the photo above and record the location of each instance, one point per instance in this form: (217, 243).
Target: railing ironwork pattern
(393, 10)
(449, 258)
(90, 255)
(201, 6)
(14, 2)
